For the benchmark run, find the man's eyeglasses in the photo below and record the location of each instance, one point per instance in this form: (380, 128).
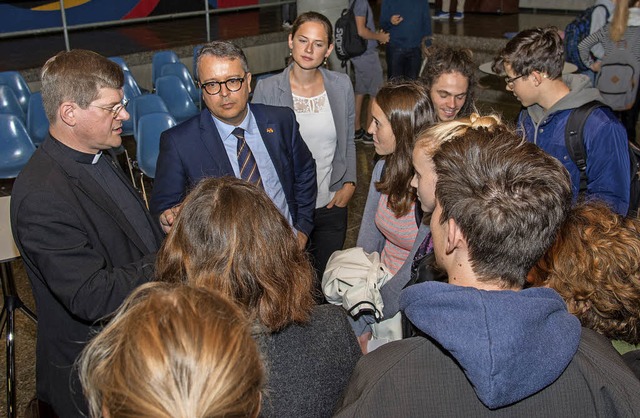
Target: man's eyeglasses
(115, 110)
(511, 80)
(213, 87)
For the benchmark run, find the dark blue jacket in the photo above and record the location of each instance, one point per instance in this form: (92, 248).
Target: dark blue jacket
(416, 23)
(605, 141)
(194, 150)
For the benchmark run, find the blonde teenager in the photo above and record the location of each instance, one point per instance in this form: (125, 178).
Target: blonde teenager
(173, 351)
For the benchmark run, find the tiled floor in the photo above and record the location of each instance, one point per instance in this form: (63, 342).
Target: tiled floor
(31, 52)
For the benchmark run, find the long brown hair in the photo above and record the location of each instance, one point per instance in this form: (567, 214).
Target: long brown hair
(230, 237)
(407, 106)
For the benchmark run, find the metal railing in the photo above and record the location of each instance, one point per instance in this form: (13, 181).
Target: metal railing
(207, 12)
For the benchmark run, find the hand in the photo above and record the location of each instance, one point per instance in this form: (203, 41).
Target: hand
(168, 217)
(396, 19)
(596, 66)
(342, 196)
(363, 340)
(383, 37)
(302, 240)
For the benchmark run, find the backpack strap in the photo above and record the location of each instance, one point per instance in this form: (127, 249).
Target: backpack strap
(343, 63)
(574, 141)
(606, 12)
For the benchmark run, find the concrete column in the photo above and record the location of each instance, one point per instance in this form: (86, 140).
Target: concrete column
(332, 9)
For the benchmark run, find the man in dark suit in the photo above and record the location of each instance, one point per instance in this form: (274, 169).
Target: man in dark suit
(211, 144)
(85, 235)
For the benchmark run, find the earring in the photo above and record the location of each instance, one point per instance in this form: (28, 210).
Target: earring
(325, 61)
(291, 52)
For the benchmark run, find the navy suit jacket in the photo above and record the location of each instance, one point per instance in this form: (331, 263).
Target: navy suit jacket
(194, 150)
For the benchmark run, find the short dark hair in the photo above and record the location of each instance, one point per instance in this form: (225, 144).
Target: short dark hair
(444, 60)
(223, 49)
(537, 49)
(507, 196)
(77, 76)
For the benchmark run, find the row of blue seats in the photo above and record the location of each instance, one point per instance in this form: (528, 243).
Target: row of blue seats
(25, 125)
(175, 79)
(16, 99)
(172, 82)
(16, 145)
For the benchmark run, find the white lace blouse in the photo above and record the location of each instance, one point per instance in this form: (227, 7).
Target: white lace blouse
(319, 133)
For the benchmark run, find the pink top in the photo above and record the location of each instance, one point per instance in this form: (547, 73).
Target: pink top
(400, 233)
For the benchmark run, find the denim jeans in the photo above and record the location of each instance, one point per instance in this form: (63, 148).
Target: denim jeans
(403, 62)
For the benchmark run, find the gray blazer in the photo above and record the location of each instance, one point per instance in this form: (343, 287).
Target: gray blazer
(276, 91)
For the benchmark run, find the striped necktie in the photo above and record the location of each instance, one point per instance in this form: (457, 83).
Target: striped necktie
(247, 163)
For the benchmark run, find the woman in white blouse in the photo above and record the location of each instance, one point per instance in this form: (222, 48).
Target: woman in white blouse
(323, 102)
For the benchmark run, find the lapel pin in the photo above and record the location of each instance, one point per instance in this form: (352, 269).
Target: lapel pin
(269, 130)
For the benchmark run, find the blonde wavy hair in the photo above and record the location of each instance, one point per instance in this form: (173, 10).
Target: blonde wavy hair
(430, 139)
(595, 266)
(173, 351)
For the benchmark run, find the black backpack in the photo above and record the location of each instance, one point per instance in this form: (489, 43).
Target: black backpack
(347, 42)
(575, 146)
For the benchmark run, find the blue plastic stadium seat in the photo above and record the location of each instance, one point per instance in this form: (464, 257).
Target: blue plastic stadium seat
(182, 72)
(9, 104)
(131, 91)
(150, 126)
(158, 60)
(196, 50)
(15, 146)
(142, 105)
(37, 122)
(121, 62)
(177, 98)
(20, 87)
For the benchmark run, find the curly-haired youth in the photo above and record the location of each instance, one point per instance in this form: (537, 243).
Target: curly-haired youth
(595, 266)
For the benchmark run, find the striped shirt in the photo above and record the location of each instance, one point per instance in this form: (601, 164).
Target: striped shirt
(602, 37)
(400, 233)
